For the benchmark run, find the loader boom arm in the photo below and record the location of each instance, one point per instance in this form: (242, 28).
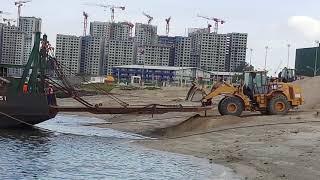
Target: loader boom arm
(220, 89)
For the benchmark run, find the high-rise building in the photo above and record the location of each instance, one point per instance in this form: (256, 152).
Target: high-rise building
(170, 42)
(68, 53)
(1, 34)
(209, 50)
(145, 34)
(118, 53)
(12, 48)
(92, 51)
(153, 55)
(237, 50)
(183, 52)
(111, 31)
(29, 25)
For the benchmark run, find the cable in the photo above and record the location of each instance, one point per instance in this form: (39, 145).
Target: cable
(118, 100)
(25, 123)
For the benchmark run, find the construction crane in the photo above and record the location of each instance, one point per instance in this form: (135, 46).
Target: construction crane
(4, 13)
(209, 27)
(217, 21)
(130, 27)
(85, 23)
(112, 8)
(9, 21)
(168, 25)
(150, 18)
(19, 4)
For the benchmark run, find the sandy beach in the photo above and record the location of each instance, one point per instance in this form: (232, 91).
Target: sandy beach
(254, 146)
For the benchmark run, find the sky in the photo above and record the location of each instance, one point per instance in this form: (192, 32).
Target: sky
(271, 23)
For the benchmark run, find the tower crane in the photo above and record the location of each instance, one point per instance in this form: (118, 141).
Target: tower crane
(150, 18)
(19, 4)
(168, 25)
(209, 27)
(9, 21)
(4, 13)
(112, 8)
(217, 21)
(85, 23)
(130, 27)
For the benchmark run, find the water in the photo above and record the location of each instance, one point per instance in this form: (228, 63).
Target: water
(93, 153)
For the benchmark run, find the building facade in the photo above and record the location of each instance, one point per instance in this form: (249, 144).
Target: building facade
(1, 36)
(68, 54)
(237, 50)
(118, 53)
(152, 74)
(209, 50)
(92, 53)
(183, 52)
(153, 55)
(13, 41)
(111, 31)
(29, 25)
(170, 42)
(145, 34)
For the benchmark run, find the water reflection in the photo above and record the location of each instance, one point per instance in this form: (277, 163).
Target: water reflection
(36, 154)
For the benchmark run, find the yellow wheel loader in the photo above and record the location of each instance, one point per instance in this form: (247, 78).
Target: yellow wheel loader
(255, 93)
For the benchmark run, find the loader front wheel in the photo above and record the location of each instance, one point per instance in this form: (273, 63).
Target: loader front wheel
(278, 105)
(232, 106)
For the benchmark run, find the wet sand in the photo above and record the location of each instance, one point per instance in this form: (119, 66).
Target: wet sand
(255, 151)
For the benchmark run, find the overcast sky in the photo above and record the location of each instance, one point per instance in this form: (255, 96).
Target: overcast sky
(272, 23)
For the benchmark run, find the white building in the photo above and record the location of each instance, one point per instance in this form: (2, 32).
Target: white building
(29, 25)
(237, 50)
(92, 50)
(111, 31)
(118, 53)
(153, 55)
(13, 42)
(1, 34)
(68, 53)
(145, 34)
(183, 53)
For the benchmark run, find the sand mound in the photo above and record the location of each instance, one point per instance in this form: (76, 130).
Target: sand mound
(310, 89)
(197, 124)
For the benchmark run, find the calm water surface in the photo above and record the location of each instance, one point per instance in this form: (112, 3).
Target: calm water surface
(93, 153)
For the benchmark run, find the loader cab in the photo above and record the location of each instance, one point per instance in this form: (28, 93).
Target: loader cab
(287, 75)
(255, 82)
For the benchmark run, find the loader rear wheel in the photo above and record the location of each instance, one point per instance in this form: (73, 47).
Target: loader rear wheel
(232, 106)
(278, 105)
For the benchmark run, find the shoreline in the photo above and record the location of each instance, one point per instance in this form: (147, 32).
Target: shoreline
(257, 152)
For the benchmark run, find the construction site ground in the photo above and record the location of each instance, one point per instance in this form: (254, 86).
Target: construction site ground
(254, 145)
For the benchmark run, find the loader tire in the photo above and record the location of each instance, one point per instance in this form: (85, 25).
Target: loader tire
(232, 106)
(278, 105)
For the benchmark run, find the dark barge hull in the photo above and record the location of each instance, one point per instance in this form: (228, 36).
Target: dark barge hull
(23, 110)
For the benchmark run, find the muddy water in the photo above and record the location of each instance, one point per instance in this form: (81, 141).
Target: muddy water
(76, 151)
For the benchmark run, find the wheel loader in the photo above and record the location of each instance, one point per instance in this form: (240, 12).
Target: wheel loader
(255, 93)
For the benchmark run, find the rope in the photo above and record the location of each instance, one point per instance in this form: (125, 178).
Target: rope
(118, 100)
(25, 123)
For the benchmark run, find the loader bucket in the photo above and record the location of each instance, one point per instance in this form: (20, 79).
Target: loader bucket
(195, 93)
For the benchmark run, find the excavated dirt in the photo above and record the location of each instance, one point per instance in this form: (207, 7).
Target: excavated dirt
(255, 146)
(311, 89)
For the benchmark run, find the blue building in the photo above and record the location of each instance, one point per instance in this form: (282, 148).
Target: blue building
(158, 73)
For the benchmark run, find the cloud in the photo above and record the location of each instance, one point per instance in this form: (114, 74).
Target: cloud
(308, 26)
